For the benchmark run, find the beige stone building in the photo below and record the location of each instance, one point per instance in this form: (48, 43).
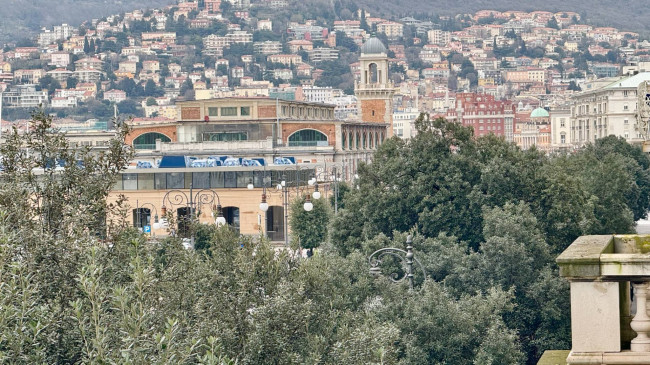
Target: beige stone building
(606, 107)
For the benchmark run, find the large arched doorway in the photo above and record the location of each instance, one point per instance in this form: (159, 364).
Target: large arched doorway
(232, 217)
(307, 137)
(141, 217)
(184, 221)
(275, 223)
(147, 141)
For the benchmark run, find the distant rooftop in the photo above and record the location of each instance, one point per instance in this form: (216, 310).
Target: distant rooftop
(630, 82)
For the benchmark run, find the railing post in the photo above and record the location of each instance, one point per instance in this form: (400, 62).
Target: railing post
(641, 322)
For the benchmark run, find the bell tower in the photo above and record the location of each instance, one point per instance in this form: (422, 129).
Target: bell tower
(374, 90)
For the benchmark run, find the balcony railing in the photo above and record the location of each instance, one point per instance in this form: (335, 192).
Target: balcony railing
(308, 144)
(605, 273)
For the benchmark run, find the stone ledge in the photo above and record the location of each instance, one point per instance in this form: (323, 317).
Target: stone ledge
(582, 258)
(609, 358)
(554, 357)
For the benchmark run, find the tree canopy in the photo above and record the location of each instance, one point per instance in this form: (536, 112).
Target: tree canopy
(81, 285)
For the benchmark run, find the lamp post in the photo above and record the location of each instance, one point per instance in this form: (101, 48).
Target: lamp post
(285, 192)
(194, 201)
(327, 177)
(407, 258)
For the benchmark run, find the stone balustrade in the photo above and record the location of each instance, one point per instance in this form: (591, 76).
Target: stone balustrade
(610, 288)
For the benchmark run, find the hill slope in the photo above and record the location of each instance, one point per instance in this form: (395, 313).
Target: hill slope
(623, 14)
(21, 18)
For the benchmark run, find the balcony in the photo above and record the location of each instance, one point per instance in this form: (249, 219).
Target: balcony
(610, 292)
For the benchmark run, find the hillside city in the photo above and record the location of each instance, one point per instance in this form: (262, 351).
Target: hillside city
(508, 63)
(281, 182)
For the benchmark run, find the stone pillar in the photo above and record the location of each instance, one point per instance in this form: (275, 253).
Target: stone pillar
(595, 316)
(641, 322)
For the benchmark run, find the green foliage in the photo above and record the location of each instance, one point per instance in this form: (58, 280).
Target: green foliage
(309, 228)
(69, 297)
(499, 216)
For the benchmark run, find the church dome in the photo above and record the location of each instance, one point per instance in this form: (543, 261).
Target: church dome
(539, 113)
(373, 46)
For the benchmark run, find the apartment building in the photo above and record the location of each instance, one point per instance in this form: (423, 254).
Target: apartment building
(606, 108)
(484, 113)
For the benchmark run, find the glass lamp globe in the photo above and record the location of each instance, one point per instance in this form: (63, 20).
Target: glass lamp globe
(316, 195)
(264, 206)
(156, 225)
(250, 186)
(308, 206)
(220, 221)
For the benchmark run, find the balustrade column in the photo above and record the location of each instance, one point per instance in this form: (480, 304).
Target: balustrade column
(641, 321)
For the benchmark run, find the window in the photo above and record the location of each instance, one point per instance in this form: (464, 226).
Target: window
(245, 111)
(372, 70)
(217, 179)
(561, 122)
(230, 179)
(175, 180)
(227, 136)
(229, 111)
(145, 182)
(147, 141)
(130, 181)
(625, 121)
(213, 111)
(308, 137)
(201, 180)
(562, 138)
(160, 182)
(625, 107)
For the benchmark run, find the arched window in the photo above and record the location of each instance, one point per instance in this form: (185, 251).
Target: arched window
(372, 71)
(147, 141)
(358, 141)
(350, 140)
(344, 141)
(363, 140)
(307, 137)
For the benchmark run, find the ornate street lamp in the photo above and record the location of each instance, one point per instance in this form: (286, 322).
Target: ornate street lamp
(405, 257)
(193, 201)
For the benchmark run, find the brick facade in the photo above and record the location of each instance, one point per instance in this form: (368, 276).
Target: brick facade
(328, 129)
(267, 111)
(373, 110)
(188, 113)
(168, 130)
